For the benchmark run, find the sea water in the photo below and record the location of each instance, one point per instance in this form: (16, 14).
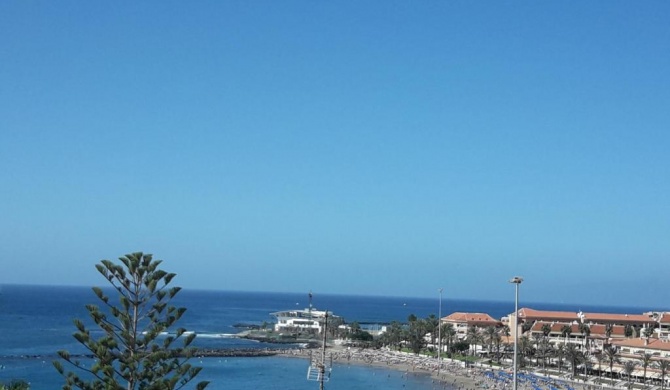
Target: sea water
(36, 321)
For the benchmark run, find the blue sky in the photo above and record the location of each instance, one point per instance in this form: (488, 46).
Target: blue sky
(381, 147)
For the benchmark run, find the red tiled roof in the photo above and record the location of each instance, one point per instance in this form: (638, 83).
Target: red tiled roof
(470, 318)
(618, 318)
(600, 330)
(556, 327)
(532, 314)
(665, 318)
(654, 344)
(596, 330)
(529, 314)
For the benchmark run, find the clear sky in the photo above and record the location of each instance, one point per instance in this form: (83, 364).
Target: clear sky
(351, 147)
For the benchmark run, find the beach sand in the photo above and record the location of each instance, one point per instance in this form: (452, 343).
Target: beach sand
(452, 374)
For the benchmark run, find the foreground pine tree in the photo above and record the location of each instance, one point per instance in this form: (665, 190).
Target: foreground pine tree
(15, 385)
(133, 351)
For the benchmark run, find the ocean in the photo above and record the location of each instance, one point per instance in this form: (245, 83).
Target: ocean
(36, 321)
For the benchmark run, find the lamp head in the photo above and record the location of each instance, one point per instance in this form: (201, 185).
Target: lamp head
(516, 280)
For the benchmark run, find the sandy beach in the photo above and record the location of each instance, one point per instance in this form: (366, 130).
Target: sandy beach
(451, 374)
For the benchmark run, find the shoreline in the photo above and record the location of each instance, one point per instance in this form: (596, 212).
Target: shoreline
(452, 375)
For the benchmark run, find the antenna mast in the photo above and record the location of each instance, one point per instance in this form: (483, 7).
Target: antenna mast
(318, 366)
(310, 312)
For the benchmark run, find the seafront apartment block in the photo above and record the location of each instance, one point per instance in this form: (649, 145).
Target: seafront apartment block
(571, 327)
(598, 328)
(634, 335)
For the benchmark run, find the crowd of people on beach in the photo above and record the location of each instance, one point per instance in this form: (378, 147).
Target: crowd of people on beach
(450, 374)
(446, 373)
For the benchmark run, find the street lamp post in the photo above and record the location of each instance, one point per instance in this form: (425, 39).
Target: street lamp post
(517, 281)
(439, 333)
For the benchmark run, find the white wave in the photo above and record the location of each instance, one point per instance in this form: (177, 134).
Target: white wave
(217, 335)
(160, 334)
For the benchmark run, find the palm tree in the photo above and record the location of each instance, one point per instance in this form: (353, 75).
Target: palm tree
(546, 329)
(473, 337)
(575, 356)
(490, 333)
(566, 331)
(543, 351)
(525, 350)
(587, 363)
(415, 334)
(663, 366)
(600, 356)
(628, 368)
(586, 331)
(449, 334)
(394, 335)
(612, 356)
(559, 352)
(432, 322)
(648, 331)
(496, 341)
(628, 330)
(645, 357)
(537, 339)
(609, 328)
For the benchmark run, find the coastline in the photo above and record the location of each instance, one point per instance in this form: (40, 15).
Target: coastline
(452, 375)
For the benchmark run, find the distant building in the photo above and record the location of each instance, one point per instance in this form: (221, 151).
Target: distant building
(305, 320)
(632, 335)
(597, 329)
(374, 329)
(462, 321)
(663, 330)
(642, 320)
(527, 315)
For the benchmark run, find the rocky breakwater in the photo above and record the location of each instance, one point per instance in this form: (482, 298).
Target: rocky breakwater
(237, 352)
(305, 341)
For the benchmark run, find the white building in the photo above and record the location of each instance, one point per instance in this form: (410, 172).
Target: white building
(305, 320)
